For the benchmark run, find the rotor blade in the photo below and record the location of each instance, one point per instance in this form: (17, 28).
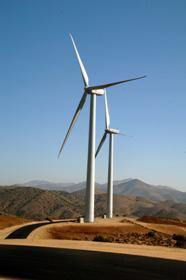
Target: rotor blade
(78, 110)
(107, 117)
(123, 134)
(101, 143)
(83, 71)
(114, 84)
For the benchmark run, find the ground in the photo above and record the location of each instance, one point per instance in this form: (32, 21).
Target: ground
(47, 254)
(119, 230)
(8, 221)
(130, 231)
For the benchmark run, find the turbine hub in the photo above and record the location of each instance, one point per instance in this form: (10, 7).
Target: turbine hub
(89, 90)
(112, 131)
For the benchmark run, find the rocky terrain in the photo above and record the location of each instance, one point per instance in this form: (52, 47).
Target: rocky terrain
(37, 204)
(117, 230)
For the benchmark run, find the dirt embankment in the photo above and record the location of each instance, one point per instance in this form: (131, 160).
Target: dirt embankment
(9, 221)
(158, 220)
(116, 230)
(126, 233)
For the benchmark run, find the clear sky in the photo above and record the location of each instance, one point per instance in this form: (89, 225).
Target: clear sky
(41, 85)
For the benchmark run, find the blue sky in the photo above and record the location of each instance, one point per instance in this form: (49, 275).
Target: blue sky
(41, 85)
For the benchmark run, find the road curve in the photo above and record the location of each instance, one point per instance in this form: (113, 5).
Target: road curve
(24, 231)
(29, 262)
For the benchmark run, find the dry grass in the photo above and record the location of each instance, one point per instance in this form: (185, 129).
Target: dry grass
(167, 226)
(158, 220)
(90, 231)
(118, 230)
(8, 221)
(120, 233)
(168, 229)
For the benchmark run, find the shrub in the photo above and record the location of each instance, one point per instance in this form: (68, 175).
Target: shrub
(49, 219)
(151, 233)
(179, 237)
(180, 240)
(101, 238)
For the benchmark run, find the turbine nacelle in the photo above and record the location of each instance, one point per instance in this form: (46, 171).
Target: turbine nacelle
(112, 131)
(89, 90)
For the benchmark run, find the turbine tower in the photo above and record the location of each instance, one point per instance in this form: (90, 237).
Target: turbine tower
(110, 132)
(93, 91)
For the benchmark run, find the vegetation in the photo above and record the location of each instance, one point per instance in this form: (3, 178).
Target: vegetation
(180, 240)
(37, 204)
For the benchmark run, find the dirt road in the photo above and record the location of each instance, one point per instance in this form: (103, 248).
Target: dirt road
(24, 231)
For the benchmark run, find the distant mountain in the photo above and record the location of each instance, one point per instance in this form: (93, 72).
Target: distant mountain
(139, 188)
(35, 203)
(128, 187)
(115, 183)
(46, 185)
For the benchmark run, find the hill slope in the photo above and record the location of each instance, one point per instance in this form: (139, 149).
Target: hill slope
(137, 187)
(34, 203)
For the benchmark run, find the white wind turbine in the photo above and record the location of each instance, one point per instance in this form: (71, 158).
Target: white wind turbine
(111, 132)
(92, 91)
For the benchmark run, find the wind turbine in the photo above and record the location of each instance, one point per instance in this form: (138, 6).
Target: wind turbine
(93, 91)
(110, 132)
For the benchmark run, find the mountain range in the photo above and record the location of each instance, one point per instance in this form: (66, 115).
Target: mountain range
(132, 198)
(128, 187)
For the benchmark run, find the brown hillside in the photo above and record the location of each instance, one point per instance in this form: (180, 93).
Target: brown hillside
(37, 204)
